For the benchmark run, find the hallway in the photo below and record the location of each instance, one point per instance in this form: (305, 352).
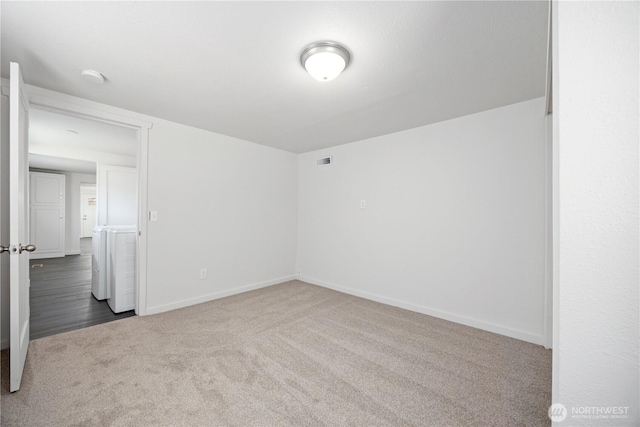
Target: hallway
(61, 298)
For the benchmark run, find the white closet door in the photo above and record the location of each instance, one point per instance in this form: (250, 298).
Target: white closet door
(46, 205)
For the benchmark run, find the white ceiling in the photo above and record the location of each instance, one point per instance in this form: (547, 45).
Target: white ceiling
(233, 67)
(53, 146)
(53, 163)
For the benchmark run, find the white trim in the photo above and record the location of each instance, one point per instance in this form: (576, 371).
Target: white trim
(57, 106)
(72, 252)
(555, 208)
(78, 107)
(548, 105)
(548, 233)
(61, 103)
(463, 320)
(216, 295)
(143, 221)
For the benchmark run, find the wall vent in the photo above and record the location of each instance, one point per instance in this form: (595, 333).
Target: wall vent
(325, 161)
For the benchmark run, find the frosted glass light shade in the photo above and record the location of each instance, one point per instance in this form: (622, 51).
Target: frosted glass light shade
(325, 66)
(325, 60)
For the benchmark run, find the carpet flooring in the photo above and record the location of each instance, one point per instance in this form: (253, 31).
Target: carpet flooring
(290, 354)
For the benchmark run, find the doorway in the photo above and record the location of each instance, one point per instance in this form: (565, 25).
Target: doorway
(88, 210)
(61, 144)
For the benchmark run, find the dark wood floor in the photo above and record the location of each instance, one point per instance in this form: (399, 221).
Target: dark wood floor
(61, 298)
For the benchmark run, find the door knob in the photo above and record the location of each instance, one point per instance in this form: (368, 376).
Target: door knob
(4, 249)
(28, 248)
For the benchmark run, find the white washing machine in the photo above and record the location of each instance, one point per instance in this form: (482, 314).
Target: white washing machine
(98, 258)
(121, 269)
(99, 284)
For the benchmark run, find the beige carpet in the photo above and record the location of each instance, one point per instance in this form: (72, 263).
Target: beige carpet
(291, 354)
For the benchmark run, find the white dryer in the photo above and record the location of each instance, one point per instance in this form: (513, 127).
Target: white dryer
(98, 270)
(121, 269)
(99, 284)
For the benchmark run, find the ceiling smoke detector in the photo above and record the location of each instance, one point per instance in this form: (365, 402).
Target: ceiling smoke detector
(92, 76)
(325, 60)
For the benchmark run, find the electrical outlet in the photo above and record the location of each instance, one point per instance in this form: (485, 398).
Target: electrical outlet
(203, 273)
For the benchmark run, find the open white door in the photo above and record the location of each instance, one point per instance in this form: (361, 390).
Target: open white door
(18, 226)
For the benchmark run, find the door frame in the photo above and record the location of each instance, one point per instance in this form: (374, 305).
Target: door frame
(77, 107)
(85, 188)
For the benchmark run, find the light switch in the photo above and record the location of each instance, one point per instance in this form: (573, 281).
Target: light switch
(363, 204)
(153, 216)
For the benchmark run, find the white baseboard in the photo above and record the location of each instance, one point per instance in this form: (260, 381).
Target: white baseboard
(216, 295)
(452, 317)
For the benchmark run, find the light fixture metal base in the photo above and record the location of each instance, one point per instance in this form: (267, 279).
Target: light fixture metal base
(325, 46)
(316, 58)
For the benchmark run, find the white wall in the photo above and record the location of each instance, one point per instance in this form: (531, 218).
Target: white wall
(596, 114)
(117, 195)
(223, 204)
(454, 224)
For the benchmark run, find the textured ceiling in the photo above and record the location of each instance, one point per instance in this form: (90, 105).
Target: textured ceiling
(233, 67)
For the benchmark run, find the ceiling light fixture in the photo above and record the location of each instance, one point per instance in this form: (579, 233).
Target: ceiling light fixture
(92, 76)
(325, 60)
